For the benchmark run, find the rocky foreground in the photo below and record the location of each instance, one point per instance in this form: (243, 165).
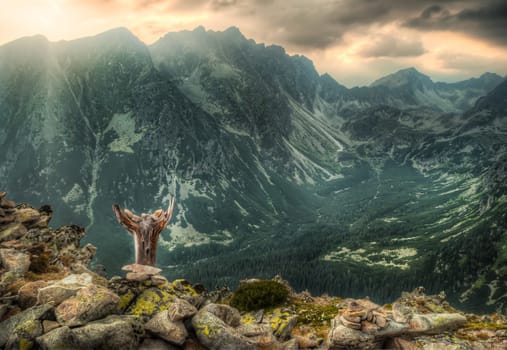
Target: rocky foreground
(49, 299)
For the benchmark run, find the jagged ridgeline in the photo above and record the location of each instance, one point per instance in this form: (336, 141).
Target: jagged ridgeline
(275, 168)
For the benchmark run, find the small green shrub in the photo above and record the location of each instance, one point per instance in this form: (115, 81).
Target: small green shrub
(259, 295)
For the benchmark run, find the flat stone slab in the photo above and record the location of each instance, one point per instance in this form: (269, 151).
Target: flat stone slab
(142, 269)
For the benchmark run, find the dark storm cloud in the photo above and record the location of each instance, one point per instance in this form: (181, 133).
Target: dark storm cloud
(486, 20)
(319, 24)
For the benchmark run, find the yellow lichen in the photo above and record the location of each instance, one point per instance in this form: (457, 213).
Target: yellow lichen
(126, 299)
(25, 344)
(485, 325)
(28, 327)
(248, 318)
(150, 302)
(278, 319)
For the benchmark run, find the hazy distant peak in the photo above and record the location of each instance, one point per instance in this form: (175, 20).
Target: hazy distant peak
(404, 77)
(32, 50)
(490, 77)
(199, 29)
(28, 41)
(120, 33)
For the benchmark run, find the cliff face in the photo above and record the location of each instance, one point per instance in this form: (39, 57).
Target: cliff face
(50, 299)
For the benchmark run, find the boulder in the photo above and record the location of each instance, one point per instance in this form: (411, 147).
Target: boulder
(59, 338)
(282, 321)
(401, 344)
(137, 276)
(48, 325)
(28, 216)
(5, 218)
(89, 304)
(112, 332)
(156, 344)
(193, 344)
(63, 289)
(291, 344)
(306, 342)
(181, 309)
(68, 236)
(14, 260)
(23, 336)
(158, 280)
(229, 315)
(342, 337)
(142, 299)
(435, 323)
(7, 203)
(27, 294)
(260, 334)
(214, 326)
(142, 269)
(150, 302)
(24, 321)
(172, 331)
(12, 231)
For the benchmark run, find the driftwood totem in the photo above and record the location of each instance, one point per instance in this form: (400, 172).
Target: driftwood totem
(145, 229)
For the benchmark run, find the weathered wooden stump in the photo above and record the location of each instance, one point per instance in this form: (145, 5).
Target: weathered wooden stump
(145, 229)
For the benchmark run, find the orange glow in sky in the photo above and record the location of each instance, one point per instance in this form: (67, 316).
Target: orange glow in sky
(353, 40)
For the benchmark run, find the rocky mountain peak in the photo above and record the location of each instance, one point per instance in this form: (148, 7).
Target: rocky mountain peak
(496, 100)
(403, 78)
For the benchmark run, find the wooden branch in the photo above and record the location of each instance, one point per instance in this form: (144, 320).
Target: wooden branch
(145, 229)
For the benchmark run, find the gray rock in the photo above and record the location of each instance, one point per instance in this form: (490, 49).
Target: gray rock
(14, 260)
(3, 309)
(112, 332)
(137, 276)
(90, 303)
(215, 333)
(435, 323)
(142, 269)
(157, 280)
(260, 334)
(290, 345)
(23, 336)
(28, 216)
(284, 330)
(62, 338)
(13, 231)
(172, 331)
(27, 294)
(181, 309)
(156, 344)
(193, 344)
(25, 319)
(226, 313)
(342, 337)
(48, 325)
(63, 289)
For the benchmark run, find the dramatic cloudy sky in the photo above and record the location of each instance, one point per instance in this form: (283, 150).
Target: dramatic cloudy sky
(356, 41)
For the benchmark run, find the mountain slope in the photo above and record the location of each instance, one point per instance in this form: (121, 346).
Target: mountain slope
(275, 169)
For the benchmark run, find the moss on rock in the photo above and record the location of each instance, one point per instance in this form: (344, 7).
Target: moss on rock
(259, 295)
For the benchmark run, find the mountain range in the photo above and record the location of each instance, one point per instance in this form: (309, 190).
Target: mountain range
(275, 168)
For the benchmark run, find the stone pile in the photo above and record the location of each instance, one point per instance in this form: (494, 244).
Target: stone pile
(49, 299)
